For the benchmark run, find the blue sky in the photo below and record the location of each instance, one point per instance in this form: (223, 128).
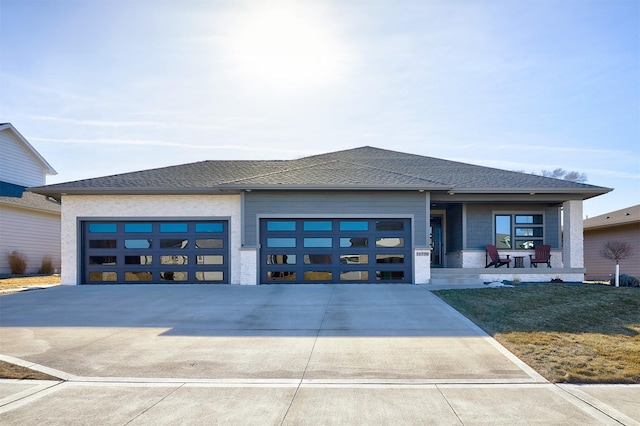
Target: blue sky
(108, 86)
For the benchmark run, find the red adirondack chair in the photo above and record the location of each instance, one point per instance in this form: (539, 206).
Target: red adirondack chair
(496, 260)
(542, 255)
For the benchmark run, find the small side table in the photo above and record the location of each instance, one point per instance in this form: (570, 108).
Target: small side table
(518, 261)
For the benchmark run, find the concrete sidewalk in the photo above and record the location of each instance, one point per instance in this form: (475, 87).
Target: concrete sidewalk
(377, 354)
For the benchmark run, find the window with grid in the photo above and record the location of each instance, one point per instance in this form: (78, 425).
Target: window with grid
(519, 231)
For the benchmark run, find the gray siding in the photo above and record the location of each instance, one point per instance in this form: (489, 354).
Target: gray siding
(335, 204)
(479, 219)
(454, 228)
(480, 222)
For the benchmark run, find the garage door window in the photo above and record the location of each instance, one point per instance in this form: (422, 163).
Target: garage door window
(281, 259)
(317, 226)
(390, 242)
(138, 227)
(210, 260)
(173, 227)
(209, 227)
(354, 276)
(138, 260)
(354, 226)
(354, 242)
(281, 276)
(155, 251)
(281, 226)
(102, 260)
(317, 242)
(103, 228)
(174, 276)
(281, 242)
(137, 244)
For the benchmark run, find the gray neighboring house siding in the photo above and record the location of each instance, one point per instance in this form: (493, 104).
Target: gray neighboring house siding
(333, 205)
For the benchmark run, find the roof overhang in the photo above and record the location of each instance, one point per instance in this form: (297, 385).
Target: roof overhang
(573, 193)
(53, 191)
(438, 192)
(58, 193)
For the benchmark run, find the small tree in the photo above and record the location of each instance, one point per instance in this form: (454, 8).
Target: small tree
(616, 250)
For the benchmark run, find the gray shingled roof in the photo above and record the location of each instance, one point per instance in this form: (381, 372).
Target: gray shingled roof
(17, 196)
(354, 169)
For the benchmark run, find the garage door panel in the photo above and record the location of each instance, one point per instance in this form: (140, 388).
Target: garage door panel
(137, 252)
(335, 251)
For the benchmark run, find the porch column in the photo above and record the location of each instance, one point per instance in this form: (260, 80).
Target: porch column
(573, 240)
(422, 254)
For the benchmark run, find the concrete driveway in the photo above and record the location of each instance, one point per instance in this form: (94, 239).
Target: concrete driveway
(321, 354)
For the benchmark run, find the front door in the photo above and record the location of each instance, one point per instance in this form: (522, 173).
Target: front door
(435, 240)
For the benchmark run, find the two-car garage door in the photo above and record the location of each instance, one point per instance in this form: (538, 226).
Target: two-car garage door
(335, 251)
(139, 252)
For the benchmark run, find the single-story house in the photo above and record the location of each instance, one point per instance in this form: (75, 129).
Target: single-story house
(29, 223)
(363, 215)
(621, 225)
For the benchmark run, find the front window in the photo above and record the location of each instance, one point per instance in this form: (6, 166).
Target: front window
(503, 232)
(519, 231)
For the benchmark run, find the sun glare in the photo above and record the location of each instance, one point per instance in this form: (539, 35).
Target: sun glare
(286, 49)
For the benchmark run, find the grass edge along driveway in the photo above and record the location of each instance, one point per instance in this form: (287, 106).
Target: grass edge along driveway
(569, 333)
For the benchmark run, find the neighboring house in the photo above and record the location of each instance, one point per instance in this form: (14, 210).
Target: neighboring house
(29, 223)
(363, 215)
(622, 225)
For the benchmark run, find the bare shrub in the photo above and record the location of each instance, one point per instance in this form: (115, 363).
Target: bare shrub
(46, 268)
(616, 250)
(17, 263)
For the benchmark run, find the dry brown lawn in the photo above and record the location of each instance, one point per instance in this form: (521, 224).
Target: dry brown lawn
(12, 371)
(12, 282)
(573, 333)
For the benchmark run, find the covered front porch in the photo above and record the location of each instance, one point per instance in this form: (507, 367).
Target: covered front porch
(460, 231)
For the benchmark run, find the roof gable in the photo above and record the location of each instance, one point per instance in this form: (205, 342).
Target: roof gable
(39, 158)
